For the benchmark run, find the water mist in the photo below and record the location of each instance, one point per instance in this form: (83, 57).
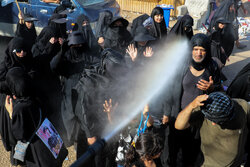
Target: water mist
(156, 76)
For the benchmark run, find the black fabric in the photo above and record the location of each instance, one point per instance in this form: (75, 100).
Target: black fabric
(70, 64)
(29, 35)
(159, 30)
(12, 60)
(228, 35)
(118, 38)
(224, 12)
(216, 38)
(179, 28)
(76, 38)
(137, 22)
(203, 41)
(142, 35)
(103, 22)
(88, 34)
(59, 28)
(43, 47)
(25, 118)
(218, 108)
(24, 88)
(240, 86)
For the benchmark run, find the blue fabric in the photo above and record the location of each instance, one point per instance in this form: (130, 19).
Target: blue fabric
(6, 2)
(218, 108)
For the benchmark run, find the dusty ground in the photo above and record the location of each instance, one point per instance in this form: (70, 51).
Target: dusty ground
(238, 59)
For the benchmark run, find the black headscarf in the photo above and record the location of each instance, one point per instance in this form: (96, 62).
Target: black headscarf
(179, 28)
(142, 34)
(138, 22)
(103, 22)
(240, 86)
(159, 30)
(203, 41)
(43, 45)
(59, 27)
(29, 35)
(112, 64)
(223, 11)
(12, 60)
(19, 82)
(118, 37)
(116, 33)
(87, 33)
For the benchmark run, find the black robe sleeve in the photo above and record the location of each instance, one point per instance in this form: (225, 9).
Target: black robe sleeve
(24, 121)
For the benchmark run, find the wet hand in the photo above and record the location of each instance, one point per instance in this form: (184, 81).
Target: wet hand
(165, 119)
(205, 85)
(9, 105)
(91, 140)
(149, 52)
(145, 110)
(132, 51)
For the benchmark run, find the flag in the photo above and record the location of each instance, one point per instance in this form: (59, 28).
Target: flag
(6, 2)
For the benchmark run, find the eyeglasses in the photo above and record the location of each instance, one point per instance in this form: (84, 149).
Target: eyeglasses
(18, 50)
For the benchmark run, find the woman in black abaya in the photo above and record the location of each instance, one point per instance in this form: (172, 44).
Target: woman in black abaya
(103, 22)
(25, 115)
(226, 11)
(16, 55)
(159, 30)
(26, 29)
(117, 36)
(83, 26)
(216, 38)
(183, 27)
(140, 50)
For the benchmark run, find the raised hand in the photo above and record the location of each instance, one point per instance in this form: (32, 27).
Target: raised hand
(132, 51)
(149, 52)
(205, 85)
(53, 40)
(108, 108)
(198, 101)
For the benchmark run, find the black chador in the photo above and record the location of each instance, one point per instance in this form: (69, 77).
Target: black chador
(183, 27)
(117, 36)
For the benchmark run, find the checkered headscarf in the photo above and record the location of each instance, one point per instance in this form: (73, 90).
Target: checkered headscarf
(218, 108)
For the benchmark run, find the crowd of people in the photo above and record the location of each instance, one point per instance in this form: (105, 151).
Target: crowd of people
(77, 79)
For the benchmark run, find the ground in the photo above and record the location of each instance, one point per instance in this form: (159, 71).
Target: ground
(238, 59)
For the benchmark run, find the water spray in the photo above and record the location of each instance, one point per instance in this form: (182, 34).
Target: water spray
(173, 58)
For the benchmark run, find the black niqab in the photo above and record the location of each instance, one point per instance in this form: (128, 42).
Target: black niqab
(103, 23)
(29, 35)
(179, 28)
(223, 11)
(87, 33)
(12, 60)
(60, 28)
(118, 37)
(138, 22)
